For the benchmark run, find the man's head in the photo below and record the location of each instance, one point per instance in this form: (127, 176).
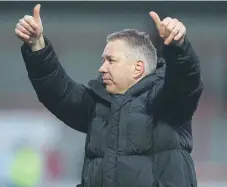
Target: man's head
(128, 57)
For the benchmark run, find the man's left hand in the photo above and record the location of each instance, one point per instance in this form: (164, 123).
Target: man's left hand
(169, 29)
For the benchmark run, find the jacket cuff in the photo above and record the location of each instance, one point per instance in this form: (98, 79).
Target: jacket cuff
(40, 55)
(179, 48)
(40, 63)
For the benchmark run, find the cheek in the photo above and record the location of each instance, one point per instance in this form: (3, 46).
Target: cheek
(118, 76)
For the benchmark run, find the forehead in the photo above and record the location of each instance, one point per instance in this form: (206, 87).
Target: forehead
(115, 48)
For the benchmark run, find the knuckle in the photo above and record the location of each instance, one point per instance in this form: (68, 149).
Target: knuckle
(175, 20)
(21, 21)
(166, 21)
(169, 19)
(27, 17)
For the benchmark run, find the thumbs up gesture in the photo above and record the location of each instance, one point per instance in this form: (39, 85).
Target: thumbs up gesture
(169, 29)
(30, 29)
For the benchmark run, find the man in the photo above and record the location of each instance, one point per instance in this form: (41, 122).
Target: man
(137, 115)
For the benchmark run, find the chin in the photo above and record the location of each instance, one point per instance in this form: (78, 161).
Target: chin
(110, 89)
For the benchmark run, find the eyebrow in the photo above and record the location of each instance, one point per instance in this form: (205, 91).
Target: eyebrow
(108, 56)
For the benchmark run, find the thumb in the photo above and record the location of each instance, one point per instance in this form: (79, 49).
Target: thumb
(36, 12)
(155, 18)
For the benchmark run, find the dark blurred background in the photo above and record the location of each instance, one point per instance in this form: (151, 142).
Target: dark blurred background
(31, 136)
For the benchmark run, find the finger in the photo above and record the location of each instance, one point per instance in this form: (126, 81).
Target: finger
(181, 33)
(30, 20)
(169, 28)
(22, 35)
(163, 26)
(155, 18)
(36, 12)
(25, 25)
(174, 31)
(22, 29)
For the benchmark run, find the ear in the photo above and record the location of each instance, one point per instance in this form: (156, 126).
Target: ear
(139, 69)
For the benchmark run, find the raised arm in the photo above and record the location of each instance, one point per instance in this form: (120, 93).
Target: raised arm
(179, 92)
(67, 100)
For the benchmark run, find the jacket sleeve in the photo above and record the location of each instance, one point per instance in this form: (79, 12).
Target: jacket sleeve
(179, 92)
(69, 101)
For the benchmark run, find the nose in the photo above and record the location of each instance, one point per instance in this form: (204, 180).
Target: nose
(103, 68)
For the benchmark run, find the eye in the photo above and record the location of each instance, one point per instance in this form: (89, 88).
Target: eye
(111, 61)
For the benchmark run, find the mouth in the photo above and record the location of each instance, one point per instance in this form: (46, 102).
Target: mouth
(106, 81)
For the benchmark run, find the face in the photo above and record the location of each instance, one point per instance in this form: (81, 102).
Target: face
(119, 73)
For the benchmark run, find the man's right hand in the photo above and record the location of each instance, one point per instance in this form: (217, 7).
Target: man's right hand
(29, 29)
